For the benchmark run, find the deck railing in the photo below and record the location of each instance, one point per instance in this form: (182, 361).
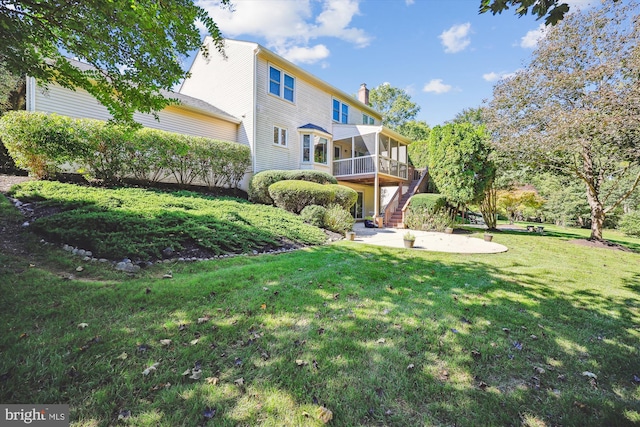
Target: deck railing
(367, 164)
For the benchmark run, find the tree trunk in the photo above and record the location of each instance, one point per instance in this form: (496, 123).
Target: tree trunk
(488, 208)
(597, 214)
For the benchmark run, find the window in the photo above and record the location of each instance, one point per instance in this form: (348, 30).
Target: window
(367, 120)
(340, 112)
(320, 151)
(281, 84)
(279, 136)
(306, 148)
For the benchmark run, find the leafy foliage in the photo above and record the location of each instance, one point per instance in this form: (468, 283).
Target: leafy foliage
(459, 161)
(142, 223)
(135, 53)
(314, 215)
(415, 130)
(517, 204)
(295, 195)
(260, 182)
(427, 212)
(343, 195)
(338, 219)
(395, 105)
(552, 10)
(42, 143)
(630, 224)
(575, 109)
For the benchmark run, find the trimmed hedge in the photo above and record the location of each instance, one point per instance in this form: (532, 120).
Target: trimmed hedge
(295, 195)
(431, 201)
(259, 185)
(42, 143)
(344, 196)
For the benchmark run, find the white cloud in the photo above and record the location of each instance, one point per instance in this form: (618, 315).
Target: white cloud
(436, 86)
(531, 39)
(494, 77)
(409, 2)
(306, 55)
(580, 4)
(289, 26)
(456, 38)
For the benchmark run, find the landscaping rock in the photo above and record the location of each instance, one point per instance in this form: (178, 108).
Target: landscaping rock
(127, 267)
(167, 252)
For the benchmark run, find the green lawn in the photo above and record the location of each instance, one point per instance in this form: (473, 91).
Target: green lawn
(545, 334)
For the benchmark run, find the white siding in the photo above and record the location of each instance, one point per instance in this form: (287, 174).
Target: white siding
(226, 83)
(80, 104)
(311, 105)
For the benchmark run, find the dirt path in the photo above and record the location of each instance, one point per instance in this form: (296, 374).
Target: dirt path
(6, 181)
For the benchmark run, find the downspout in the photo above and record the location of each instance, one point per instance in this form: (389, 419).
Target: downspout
(376, 184)
(254, 108)
(30, 94)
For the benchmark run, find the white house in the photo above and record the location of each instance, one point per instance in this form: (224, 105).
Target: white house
(192, 116)
(293, 120)
(290, 119)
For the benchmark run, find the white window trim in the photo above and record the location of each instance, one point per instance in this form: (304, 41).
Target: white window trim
(286, 137)
(282, 74)
(314, 137)
(342, 104)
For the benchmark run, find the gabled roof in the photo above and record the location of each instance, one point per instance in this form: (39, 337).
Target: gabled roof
(279, 60)
(311, 126)
(188, 102)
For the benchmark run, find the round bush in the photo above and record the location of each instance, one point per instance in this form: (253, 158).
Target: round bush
(259, 185)
(630, 224)
(313, 215)
(344, 196)
(337, 219)
(294, 195)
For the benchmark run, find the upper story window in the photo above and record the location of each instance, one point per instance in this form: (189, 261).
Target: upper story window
(281, 84)
(280, 136)
(367, 120)
(340, 112)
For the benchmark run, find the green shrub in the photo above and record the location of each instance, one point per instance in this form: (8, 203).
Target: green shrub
(105, 156)
(314, 215)
(337, 219)
(294, 195)
(427, 212)
(259, 185)
(431, 201)
(41, 143)
(147, 150)
(630, 224)
(344, 196)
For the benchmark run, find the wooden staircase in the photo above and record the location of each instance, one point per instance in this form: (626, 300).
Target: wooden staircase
(396, 219)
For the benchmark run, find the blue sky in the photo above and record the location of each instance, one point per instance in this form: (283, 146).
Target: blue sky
(442, 52)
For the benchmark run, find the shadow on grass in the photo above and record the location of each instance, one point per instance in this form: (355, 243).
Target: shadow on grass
(379, 336)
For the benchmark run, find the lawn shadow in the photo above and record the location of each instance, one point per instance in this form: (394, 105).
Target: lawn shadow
(422, 341)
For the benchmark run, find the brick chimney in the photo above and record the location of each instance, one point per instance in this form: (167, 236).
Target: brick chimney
(363, 94)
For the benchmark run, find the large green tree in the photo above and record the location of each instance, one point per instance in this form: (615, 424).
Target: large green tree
(395, 105)
(134, 46)
(459, 162)
(575, 109)
(552, 10)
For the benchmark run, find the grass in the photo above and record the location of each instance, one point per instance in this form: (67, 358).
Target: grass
(138, 223)
(379, 336)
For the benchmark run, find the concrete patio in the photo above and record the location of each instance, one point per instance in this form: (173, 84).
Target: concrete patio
(426, 240)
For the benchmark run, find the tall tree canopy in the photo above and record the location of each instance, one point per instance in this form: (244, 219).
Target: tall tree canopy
(575, 109)
(552, 10)
(395, 105)
(135, 46)
(459, 161)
